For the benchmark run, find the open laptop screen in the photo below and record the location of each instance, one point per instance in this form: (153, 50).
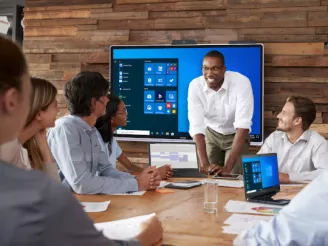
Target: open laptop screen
(180, 156)
(260, 173)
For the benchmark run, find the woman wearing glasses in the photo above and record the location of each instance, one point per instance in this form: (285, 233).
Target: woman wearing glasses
(116, 116)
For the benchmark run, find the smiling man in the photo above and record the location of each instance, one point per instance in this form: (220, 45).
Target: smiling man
(220, 111)
(302, 153)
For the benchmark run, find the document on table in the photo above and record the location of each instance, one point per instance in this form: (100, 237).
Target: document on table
(123, 229)
(252, 208)
(91, 207)
(137, 193)
(293, 185)
(238, 222)
(231, 183)
(163, 184)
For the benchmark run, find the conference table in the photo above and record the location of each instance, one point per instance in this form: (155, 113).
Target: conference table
(181, 213)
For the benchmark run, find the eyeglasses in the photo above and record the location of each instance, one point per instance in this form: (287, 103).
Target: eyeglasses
(124, 112)
(214, 69)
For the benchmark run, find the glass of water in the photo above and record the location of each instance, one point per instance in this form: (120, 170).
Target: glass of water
(211, 196)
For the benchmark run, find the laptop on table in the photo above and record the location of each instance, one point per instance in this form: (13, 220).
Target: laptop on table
(181, 156)
(261, 178)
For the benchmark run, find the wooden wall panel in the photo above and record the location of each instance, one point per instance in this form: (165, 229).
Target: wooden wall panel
(63, 38)
(75, 3)
(59, 14)
(175, 6)
(245, 4)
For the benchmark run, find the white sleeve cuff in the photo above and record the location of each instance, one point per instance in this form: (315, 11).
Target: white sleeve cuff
(196, 130)
(243, 125)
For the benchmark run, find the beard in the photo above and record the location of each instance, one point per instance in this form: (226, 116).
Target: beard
(283, 128)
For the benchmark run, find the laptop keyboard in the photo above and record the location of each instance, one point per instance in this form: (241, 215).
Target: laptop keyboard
(266, 198)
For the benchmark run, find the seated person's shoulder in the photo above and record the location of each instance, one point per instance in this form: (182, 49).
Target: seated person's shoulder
(66, 123)
(316, 137)
(11, 174)
(34, 203)
(275, 136)
(29, 188)
(18, 186)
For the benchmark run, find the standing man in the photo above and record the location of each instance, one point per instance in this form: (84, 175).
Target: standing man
(220, 111)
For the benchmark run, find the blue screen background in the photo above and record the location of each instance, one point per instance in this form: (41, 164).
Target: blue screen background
(245, 60)
(266, 162)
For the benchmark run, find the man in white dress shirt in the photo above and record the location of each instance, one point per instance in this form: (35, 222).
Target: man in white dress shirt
(303, 222)
(220, 111)
(302, 153)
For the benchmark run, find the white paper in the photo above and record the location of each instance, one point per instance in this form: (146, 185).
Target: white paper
(123, 229)
(230, 183)
(292, 185)
(238, 219)
(252, 208)
(231, 230)
(137, 193)
(4, 25)
(91, 207)
(239, 222)
(235, 229)
(187, 185)
(163, 184)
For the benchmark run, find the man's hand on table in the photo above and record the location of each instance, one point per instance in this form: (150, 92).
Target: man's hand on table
(165, 171)
(284, 178)
(148, 179)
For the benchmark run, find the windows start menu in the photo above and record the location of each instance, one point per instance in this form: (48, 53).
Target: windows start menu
(160, 84)
(157, 95)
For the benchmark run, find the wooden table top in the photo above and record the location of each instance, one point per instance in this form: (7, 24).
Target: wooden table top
(181, 213)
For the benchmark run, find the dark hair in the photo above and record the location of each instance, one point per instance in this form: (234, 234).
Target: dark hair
(13, 65)
(304, 108)
(81, 89)
(104, 124)
(215, 54)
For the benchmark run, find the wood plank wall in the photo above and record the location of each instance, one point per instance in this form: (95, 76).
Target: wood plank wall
(62, 40)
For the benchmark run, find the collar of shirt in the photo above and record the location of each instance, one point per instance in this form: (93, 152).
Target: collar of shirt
(83, 125)
(223, 87)
(304, 137)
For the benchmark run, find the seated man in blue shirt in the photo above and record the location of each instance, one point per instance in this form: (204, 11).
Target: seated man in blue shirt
(83, 165)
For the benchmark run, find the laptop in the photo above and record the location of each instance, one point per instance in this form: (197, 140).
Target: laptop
(261, 178)
(181, 156)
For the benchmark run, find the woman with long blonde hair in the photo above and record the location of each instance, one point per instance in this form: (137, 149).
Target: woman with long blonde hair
(43, 112)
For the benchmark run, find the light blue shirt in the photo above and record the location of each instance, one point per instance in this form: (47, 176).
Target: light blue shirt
(303, 160)
(303, 222)
(115, 152)
(83, 164)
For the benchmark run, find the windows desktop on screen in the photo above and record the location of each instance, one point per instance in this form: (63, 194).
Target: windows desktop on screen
(153, 83)
(260, 172)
